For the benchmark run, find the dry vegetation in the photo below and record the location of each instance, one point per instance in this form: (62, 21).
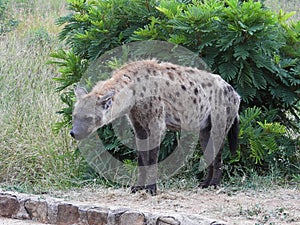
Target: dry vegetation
(31, 154)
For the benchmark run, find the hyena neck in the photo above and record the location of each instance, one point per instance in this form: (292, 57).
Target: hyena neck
(128, 84)
(122, 99)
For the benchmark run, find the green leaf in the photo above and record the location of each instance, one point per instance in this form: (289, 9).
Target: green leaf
(249, 115)
(272, 128)
(228, 71)
(257, 151)
(241, 52)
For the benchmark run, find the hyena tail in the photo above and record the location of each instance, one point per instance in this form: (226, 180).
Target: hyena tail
(233, 135)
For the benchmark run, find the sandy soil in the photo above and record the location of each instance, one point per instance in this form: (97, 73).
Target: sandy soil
(276, 206)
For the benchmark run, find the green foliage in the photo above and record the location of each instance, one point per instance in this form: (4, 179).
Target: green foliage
(259, 136)
(265, 145)
(249, 45)
(94, 27)
(71, 68)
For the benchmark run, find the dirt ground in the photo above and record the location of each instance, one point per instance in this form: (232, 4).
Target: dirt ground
(276, 206)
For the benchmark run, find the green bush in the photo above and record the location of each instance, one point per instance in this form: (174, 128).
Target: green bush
(250, 46)
(265, 144)
(245, 43)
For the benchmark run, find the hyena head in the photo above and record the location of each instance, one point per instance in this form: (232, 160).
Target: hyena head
(90, 112)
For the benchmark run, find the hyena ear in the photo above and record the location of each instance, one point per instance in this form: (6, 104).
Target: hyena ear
(106, 100)
(80, 92)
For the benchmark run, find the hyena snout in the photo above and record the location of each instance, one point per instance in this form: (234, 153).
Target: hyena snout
(72, 134)
(80, 132)
(76, 135)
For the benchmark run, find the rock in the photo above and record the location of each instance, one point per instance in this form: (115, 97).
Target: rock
(22, 213)
(97, 216)
(167, 220)
(113, 217)
(151, 219)
(52, 212)
(132, 217)
(82, 209)
(9, 205)
(67, 214)
(55, 211)
(37, 210)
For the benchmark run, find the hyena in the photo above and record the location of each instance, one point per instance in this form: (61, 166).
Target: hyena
(158, 96)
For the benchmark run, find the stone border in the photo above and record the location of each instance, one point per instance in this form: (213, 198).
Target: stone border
(57, 211)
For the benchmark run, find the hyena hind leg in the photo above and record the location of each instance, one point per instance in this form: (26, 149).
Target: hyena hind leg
(214, 173)
(204, 136)
(217, 170)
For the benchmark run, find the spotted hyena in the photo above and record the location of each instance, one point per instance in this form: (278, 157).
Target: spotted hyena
(158, 96)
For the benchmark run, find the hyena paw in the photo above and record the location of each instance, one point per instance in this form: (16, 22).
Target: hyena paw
(215, 183)
(137, 188)
(204, 184)
(151, 189)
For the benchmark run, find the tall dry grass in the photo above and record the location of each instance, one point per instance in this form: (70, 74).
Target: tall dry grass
(286, 5)
(31, 155)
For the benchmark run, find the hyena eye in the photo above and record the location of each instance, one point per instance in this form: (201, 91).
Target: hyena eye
(106, 104)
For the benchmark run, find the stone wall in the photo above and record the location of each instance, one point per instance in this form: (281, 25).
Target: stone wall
(56, 211)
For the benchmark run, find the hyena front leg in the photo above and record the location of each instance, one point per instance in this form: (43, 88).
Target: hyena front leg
(148, 139)
(141, 134)
(147, 169)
